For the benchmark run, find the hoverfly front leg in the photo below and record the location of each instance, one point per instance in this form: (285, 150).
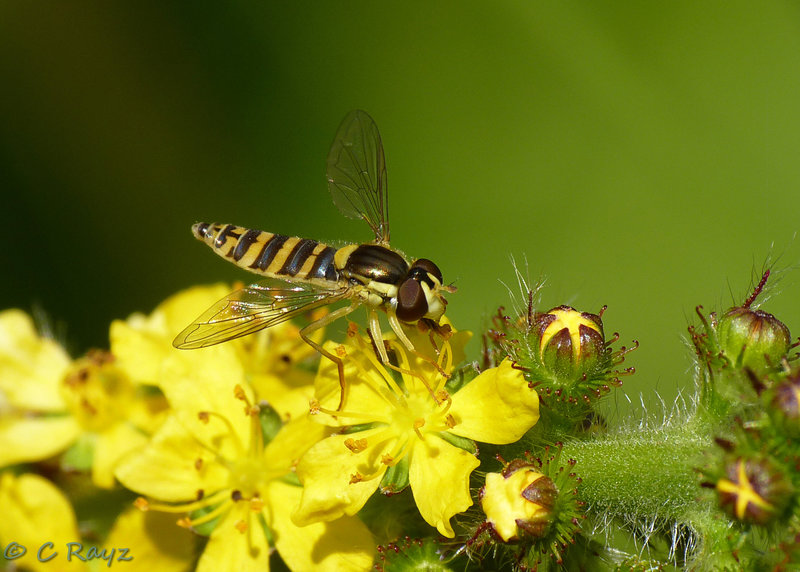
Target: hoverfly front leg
(321, 323)
(401, 335)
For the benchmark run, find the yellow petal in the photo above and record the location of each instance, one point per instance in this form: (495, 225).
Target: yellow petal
(172, 467)
(327, 470)
(31, 366)
(367, 392)
(205, 382)
(343, 545)
(237, 543)
(153, 540)
(496, 407)
(288, 394)
(110, 447)
(140, 346)
(142, 343)
(292, 441)
(26, 439)
(35, 512)
(439, 477)
(183, 308)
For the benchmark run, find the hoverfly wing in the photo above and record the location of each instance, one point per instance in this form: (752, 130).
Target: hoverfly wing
(249, 310)
(357, 173)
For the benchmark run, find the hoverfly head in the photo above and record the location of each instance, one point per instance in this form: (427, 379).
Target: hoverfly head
(419, 294)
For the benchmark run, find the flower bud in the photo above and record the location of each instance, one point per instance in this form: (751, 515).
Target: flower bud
(754, 490)
(518, 502)
(571, 343)
(785, 404)
(753, 338)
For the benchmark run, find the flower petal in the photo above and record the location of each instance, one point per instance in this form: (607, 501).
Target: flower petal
(345, 544)
(205, 382)
(327, 470)
(172, 467)
(36, 512)
(232, 548)
(35, 438)
(109, 448)
(292, 441)
(153, 539)
(439, 476)
(142, 343)
(502, 391)
(367, 391)
(31, 366)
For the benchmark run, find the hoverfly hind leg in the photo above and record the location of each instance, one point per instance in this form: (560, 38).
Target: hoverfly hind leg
(321, 323)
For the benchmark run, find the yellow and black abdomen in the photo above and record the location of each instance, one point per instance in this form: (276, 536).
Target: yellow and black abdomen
(268, 254)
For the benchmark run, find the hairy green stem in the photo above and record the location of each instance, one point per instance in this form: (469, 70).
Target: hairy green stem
(647, 473)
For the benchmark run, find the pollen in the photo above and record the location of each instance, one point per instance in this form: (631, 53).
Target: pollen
(256, 504)
(387, 460)
(239, 393)
(184, 522)
(356, 478)
(142, 504)
(341, 351)
(313, 407)
(198, 464)
(355, 445)
(203, 416)
(450, 421)
(241, 526)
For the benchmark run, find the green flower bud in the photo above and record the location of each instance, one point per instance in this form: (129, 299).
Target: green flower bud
(754, 490)
(570, 343)
(753, 338)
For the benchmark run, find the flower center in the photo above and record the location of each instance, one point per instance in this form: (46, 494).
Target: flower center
(97, 393)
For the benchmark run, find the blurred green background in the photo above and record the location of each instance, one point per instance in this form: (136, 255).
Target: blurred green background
(640, 155)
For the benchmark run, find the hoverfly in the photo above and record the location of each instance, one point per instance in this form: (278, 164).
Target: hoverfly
(373, 274)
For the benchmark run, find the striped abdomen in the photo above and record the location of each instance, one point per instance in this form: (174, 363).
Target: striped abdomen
(273, 255)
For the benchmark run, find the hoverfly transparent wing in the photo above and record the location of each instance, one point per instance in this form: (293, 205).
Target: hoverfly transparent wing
(357, 173)
(249, 310)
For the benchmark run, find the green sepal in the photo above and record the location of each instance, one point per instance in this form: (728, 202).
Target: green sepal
(271, 422)
(460, 442)
(80, 455)
(357, 428)
(206, 528)
(395, 479)
(291, 478)
(459, 378)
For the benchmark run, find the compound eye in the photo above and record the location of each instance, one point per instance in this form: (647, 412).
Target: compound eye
(411, 302)
(429, 267)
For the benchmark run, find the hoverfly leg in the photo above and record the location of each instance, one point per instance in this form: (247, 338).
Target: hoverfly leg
(401, 335)
(374, 329)
(321, 323)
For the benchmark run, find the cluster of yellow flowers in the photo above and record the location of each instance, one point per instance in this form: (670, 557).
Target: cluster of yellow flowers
(186, 432)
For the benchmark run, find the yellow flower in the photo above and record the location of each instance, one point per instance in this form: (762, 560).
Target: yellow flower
(143, 345)
(52, 403)
(412, 419)
(209, 461)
